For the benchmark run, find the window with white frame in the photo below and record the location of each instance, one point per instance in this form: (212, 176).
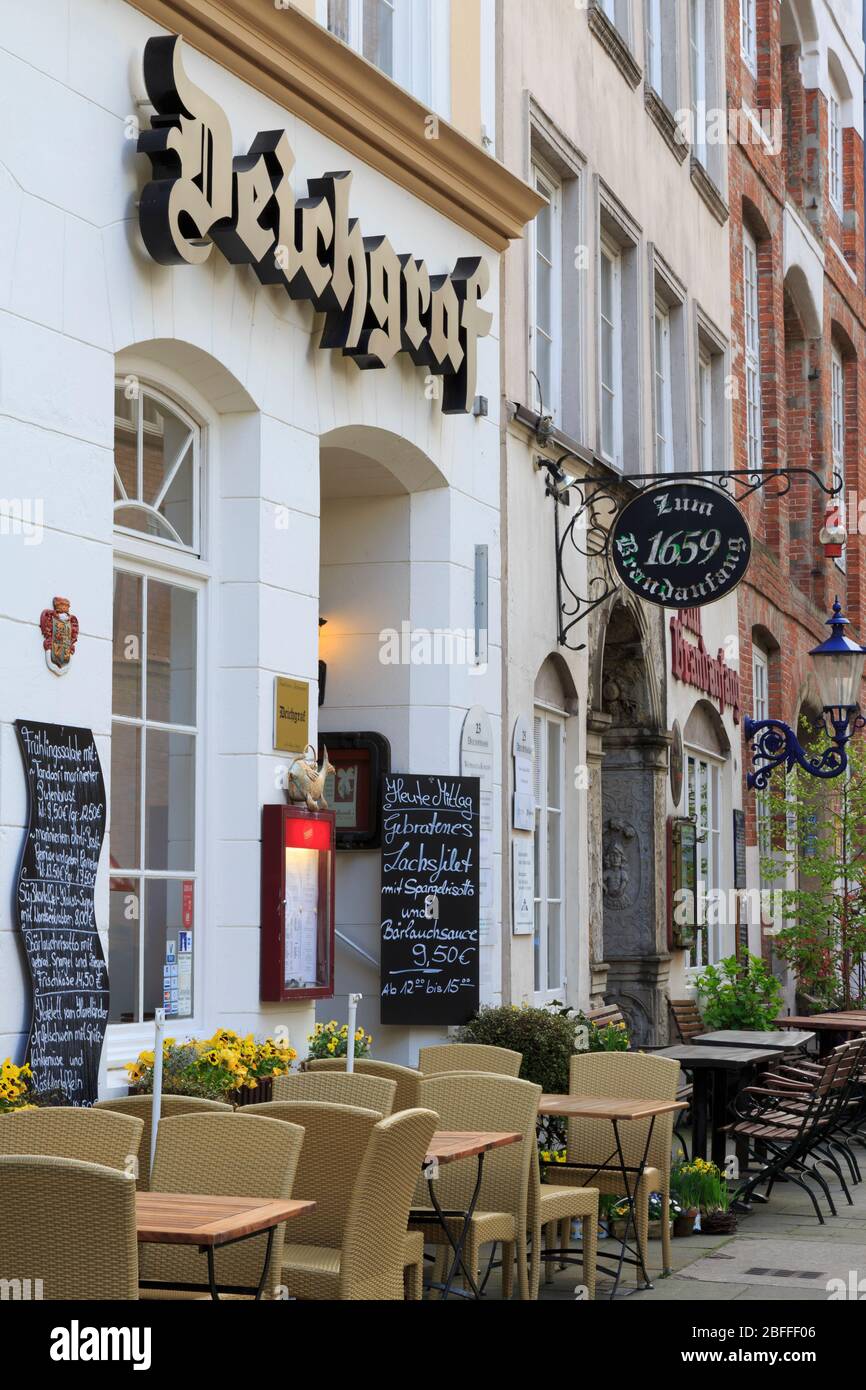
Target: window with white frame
(698, 74)
(834, 151)
(156, 709)
(703, 784)
(761, 710)
(705, 411)
(610, 352)
(749, 33)
(408, 40)
(549, 729)
(664, 450)
(653, 63)
(753, 349)
(837, 416)
(546, 295)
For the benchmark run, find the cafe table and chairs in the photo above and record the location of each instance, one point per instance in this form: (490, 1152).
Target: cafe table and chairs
(778, 1040)
(620, 1143)
(718, 1073)
(462, 1206)
(832, 1028)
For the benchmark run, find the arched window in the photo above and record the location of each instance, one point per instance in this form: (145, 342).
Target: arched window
(155, 823)
(157, 445)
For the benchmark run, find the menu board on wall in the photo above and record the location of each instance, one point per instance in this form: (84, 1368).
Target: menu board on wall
(55, 907)
(430, 899)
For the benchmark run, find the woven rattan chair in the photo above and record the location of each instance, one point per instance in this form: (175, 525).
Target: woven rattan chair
(635, 1076)
(232, 1155)
(551, 1211)
(371, 1261)
(335, 1142)
(89, 1135)
(469, 1057)
(70, 1225)
(142, 1108)
(337, 1088)
(407, 1079)
(482, 1101)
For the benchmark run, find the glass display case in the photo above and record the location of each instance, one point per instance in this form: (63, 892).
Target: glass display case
(297, 927)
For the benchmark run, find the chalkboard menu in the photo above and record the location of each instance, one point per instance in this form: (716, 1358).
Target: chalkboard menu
(55, 907)
(430, 899)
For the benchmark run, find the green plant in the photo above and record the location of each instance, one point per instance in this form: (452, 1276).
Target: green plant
(547, 1038)
(815, 835)
(331, 1040)
(694, 1183)
(608, 1037)
(739, 992)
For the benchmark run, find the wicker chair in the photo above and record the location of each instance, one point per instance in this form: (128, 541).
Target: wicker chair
(469, 1057)
(335, 1141)
(371, 1261)
(231, 1155)
(481, 1101)
(551, 1211)
(337, 1088)
(632, 1075)
(69, 1224)
(66, 1132)
(407, 1079)
(142, 1108)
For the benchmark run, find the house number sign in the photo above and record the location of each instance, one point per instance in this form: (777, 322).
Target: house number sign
(681, 545)
(376, 302)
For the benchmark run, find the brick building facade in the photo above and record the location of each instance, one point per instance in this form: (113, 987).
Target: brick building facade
(794, 82)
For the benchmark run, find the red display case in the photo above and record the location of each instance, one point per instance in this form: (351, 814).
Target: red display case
(297, 928)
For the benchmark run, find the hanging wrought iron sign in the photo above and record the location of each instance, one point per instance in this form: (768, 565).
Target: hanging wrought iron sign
(681, 545)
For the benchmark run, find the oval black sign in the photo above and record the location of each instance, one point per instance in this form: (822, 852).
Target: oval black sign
(681, 545)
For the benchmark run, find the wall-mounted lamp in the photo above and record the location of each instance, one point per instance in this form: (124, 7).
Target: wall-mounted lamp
(839, 669)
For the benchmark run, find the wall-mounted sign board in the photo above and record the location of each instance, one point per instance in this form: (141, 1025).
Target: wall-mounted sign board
(523, 753)
(522, 886)
(681, 545)
(430, 899)
(54, 902)
(291, 715)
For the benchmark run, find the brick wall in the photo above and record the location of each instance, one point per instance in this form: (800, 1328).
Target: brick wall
(791, 583)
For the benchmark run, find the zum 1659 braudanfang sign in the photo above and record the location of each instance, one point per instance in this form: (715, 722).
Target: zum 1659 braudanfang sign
(681, 545)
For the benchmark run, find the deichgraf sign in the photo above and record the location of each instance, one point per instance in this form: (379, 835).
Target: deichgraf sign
(681, 545)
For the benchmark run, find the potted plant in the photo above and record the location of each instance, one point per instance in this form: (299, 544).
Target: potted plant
(717, 1219)
(331, 1040)
(14, 1087)
(740, 992)
(225, 1067)
(688, 1182)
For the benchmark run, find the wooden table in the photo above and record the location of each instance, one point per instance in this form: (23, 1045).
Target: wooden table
(449, 1146)
(712, 1069)
(616, 1111)
(784, 1040)
(208, 1223)
(831, 1028)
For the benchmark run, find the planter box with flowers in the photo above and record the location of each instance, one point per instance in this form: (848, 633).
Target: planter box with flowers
(702, 1192)
(225, 1067)
(15, 1087)
(332, 1040)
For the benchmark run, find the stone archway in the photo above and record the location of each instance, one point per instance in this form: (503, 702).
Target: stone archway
(628, 823)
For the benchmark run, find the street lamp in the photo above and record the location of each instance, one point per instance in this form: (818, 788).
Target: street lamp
(839, 668)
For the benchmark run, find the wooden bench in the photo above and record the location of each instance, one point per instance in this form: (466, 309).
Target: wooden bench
(687, 1019)
(605, 1016)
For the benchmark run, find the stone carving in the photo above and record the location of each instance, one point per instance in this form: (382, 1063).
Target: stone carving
(621, 876)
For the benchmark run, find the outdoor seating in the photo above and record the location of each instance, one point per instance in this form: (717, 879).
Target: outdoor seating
(551, 1212)
(69, 1226)
(369, 1264)
(407, 1079)
(686, 1018)
(639, 1076)
(791, 1117)
(230, 1155)
(84, 1134)
(141, 1107)
(469, 1057)
(338, 1088)
(483, 1101)
(335, 1142)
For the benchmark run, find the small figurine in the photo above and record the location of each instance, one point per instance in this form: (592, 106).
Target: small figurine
(306, 782)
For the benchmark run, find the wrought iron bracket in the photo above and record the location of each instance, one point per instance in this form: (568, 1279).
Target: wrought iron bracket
(595, 501)
(775, 744)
